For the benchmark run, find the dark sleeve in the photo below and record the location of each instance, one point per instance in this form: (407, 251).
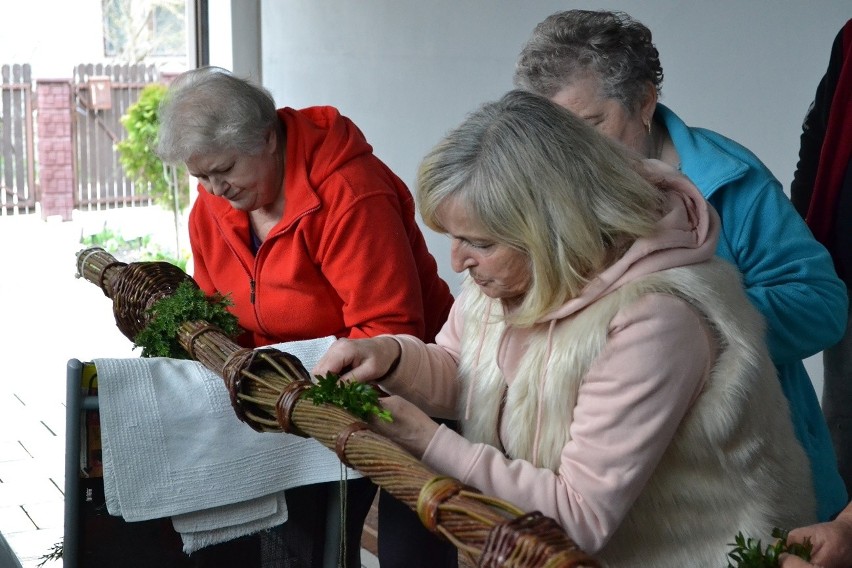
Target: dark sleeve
(813, 131)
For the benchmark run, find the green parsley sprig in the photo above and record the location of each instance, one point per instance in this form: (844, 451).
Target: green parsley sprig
(188, 303)
(750, 553)
(360, 399)
(52, 555)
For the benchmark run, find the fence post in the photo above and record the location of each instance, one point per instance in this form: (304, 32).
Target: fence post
(55, 147)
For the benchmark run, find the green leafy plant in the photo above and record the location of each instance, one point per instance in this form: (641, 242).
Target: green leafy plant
(358, 398)
(188, 303)
(55, 553)
(137, 249)
(750, 553)
(169, 189)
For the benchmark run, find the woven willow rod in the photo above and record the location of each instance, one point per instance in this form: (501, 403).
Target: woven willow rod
(265, 387)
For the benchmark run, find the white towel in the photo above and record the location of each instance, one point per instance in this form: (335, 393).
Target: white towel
(172, 446)
(219, 524)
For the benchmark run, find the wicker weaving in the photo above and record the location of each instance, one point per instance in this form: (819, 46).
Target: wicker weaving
(265, 387)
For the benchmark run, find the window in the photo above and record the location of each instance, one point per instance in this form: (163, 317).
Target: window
(138, 29)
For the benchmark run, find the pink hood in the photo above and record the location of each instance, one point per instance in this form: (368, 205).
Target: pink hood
(687, 234)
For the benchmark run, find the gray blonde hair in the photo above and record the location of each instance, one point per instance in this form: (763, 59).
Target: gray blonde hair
(541, 181)
(611, 46)
(210, 110)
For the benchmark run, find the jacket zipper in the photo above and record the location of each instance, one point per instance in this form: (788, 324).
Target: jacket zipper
(251, 295)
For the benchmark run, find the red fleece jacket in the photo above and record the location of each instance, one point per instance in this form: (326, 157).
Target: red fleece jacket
(347, 258)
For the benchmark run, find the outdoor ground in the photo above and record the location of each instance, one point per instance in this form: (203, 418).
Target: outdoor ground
(48, 317)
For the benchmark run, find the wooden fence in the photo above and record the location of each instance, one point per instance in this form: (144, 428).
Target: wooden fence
(17, 155)
(102, 95)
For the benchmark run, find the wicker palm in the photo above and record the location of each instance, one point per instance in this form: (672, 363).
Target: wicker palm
(265, 387)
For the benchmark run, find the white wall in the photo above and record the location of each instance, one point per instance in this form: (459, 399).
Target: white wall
(407, 72)
(234, 36)
(221, 42)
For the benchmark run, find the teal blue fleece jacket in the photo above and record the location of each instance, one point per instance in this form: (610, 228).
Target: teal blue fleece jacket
(787, 274)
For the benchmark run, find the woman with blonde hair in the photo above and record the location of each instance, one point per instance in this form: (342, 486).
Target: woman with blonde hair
(607, 369)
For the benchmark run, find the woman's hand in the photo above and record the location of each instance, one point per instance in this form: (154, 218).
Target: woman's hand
(411, 427)
(832, 543)
(793, 561)
(360, 360)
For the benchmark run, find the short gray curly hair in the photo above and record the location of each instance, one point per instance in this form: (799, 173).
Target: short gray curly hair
(211, 110)
(612, 46)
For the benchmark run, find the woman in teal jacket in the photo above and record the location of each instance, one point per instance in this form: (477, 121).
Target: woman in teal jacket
(604, 67)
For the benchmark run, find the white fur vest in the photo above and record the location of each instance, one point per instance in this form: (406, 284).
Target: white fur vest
(734, 463)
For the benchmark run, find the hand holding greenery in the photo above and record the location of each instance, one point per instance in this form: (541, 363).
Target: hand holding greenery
(749, 552)
(189, 303)
(359, 399)
(466, 518)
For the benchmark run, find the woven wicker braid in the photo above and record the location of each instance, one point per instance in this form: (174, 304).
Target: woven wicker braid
(265, 387)
(133, 287)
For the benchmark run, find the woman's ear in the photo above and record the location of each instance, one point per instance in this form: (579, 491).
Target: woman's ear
(648, 104)
(272, 141)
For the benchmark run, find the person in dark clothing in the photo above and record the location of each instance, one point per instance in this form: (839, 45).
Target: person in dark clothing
(822, 193)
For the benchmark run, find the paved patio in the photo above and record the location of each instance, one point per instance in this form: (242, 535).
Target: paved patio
(48, 317)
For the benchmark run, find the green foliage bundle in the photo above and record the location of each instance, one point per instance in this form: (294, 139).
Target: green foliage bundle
(52, 555)
(359, 399)
(137, 151)
(750, 553)
(188, 303)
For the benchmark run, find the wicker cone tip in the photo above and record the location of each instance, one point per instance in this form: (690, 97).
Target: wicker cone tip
(265, 386)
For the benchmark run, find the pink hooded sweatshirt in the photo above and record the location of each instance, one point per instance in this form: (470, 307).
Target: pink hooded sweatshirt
(657, 357)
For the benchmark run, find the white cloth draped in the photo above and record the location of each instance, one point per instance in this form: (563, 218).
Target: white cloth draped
(173, 447)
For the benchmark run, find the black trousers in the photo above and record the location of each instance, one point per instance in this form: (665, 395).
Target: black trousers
(405, 543)
(300, 542)
(304, 539)
(403, 540)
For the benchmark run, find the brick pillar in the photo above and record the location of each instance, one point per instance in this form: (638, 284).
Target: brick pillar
(55, 147)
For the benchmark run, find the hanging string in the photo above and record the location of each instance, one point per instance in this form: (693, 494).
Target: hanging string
(344, 477)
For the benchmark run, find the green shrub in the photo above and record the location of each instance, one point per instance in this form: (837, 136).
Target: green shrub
(138, 249)
(137, 152)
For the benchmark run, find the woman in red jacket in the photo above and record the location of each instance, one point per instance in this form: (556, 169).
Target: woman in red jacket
(309, 235)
